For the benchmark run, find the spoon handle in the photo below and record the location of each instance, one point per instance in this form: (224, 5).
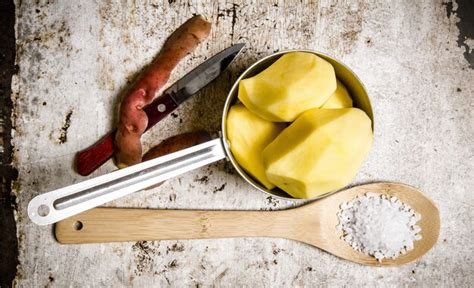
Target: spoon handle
(120, 224)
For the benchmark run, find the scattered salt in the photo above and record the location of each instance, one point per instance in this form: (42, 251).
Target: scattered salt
(379, 225)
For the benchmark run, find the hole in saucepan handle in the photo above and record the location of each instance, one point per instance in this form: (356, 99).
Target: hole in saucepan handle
(78, 225)
(43, 210)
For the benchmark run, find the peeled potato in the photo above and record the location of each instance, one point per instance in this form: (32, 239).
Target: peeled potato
(339, 99)
(248, 135)
(320, 152)
(296, 82)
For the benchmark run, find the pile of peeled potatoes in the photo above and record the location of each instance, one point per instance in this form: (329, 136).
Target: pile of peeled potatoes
(295, 127)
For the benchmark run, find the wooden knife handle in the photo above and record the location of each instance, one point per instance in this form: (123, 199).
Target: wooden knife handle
(88, 160)
(159, 109)
(121, 224)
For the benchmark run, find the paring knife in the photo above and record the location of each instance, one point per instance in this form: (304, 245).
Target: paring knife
(93, 157)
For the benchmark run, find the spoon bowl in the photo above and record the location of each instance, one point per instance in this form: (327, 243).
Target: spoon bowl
(314, 223)
(329, 238)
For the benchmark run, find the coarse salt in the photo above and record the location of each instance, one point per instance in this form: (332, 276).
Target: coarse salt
(379, 225)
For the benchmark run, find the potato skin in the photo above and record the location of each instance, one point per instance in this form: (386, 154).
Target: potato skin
(174, 144)
(132, 119)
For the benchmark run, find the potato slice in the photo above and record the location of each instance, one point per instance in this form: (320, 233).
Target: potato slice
(296, 82)
(320, 152)
(248, 135)
(339, 99)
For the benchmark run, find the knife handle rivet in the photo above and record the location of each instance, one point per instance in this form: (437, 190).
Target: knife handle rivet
(161, 108)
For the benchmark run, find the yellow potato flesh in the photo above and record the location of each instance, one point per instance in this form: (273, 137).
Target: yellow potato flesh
(296, 82)
(320, 152)
(248, 135)
(339, 99)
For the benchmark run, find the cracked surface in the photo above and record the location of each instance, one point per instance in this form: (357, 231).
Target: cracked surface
(78, 56)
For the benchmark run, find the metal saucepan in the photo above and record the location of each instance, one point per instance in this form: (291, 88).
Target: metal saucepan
(59, 204)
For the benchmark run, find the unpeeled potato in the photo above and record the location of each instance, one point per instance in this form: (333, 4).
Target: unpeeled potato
(248, 135)
(296, 82)
(320, 152)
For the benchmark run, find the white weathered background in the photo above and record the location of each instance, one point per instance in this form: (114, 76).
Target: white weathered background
(75, 57)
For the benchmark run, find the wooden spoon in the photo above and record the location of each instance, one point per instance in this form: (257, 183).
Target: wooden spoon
(314, 223)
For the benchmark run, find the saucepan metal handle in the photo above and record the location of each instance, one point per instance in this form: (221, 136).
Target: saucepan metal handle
(59, 204)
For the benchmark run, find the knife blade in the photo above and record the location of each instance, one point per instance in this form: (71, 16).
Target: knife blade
(90, 159)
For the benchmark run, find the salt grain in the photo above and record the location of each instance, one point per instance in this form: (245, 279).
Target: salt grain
(379, 225)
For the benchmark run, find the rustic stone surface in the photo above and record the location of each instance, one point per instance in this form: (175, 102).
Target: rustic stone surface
(76, 57)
